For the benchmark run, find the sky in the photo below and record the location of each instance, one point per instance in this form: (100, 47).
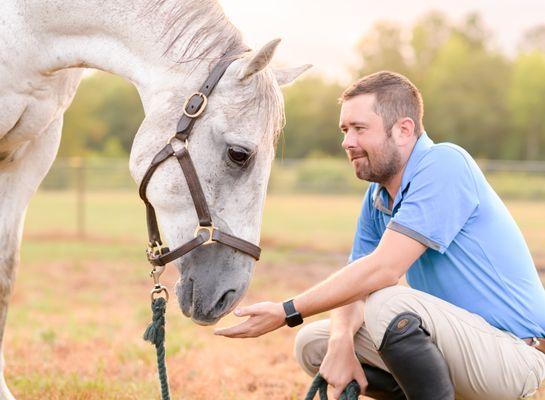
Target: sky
(325, 33)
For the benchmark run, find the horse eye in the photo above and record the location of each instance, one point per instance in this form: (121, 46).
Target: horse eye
(238, 155)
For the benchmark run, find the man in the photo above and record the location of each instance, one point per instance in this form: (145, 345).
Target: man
(471, 323)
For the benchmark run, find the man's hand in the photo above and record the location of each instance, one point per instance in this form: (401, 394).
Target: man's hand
(341, 366)
(264, 317)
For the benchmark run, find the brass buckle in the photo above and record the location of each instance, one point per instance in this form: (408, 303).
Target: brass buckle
(210, 230)
(154, 248)
(201, 108)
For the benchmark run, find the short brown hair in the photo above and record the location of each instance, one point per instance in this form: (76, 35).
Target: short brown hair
(395, 97)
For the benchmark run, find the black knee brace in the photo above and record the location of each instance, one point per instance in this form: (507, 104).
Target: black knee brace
(381, 384)
(414, 360)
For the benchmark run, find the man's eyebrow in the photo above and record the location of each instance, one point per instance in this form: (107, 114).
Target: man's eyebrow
(353, 123)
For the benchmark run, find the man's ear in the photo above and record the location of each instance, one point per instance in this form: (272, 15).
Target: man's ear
(406, 127)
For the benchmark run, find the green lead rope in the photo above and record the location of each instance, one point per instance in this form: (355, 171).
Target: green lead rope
(319, 384)
(155, 333)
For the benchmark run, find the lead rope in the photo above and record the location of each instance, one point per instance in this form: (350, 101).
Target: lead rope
(319, 384)
(155, 332)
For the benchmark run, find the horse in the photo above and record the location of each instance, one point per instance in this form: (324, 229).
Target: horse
(166, 49)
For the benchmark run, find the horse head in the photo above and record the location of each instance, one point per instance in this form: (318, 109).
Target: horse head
(232, 148)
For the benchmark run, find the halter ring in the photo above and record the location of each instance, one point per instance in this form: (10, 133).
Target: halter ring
(186, 141)
(210, 229)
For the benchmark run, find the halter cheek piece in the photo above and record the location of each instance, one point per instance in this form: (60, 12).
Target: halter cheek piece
(205, 232)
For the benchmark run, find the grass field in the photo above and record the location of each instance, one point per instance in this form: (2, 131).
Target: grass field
(80, 306)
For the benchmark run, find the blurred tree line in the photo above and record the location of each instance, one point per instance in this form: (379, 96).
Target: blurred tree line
(474, 95)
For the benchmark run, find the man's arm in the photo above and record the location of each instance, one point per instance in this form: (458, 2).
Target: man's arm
(346, 320)
(382, 268)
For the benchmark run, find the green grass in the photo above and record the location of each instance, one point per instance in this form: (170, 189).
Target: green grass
(115, 224)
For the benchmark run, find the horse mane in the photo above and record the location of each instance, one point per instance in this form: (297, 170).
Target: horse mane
(213, 28)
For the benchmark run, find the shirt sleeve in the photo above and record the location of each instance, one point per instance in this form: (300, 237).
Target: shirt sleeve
(441, 198)
(366, 238)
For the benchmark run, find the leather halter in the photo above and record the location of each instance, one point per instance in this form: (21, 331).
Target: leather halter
(206, 232)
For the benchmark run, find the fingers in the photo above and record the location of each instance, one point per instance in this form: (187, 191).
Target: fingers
(245, 311)
(241, 330)
(360, 377)
(337, 387)
(238, 331)
(362, 381)
(337, 392)
(264, 317)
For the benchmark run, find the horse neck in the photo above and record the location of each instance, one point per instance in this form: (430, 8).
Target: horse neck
(130, 38)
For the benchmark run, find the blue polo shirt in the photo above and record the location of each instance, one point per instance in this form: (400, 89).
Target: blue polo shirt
(477, 258)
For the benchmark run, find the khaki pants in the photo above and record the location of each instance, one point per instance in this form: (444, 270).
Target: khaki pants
(484, 362)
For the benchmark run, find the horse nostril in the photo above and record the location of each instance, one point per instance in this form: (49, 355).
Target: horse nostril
(224, 301)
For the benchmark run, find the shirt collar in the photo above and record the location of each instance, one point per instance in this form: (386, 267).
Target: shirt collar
(421, 147)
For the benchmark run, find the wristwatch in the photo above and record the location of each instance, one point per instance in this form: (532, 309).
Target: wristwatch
(293, 317)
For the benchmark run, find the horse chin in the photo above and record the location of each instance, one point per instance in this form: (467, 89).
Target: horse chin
(205, 323)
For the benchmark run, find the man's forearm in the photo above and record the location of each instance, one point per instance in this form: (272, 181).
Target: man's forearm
(345, 321)
(349, 284)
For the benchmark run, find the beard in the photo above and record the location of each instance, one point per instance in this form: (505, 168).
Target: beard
(379, 166)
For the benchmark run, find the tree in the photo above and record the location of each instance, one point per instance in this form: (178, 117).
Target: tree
(429, 35)
(526, 105)
(383, 48)
(465, 88)
(312, 115)
(533, 39)
(465, 97)
(104, 116)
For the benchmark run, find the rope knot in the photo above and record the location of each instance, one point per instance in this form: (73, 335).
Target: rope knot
(155, 332)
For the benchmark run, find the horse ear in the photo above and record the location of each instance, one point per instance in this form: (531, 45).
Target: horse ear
(260, 60)
(285, 76)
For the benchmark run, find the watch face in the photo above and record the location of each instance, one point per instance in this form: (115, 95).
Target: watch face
(294, 320)
(293, 317)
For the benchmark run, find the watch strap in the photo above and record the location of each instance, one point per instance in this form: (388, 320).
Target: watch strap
(293, 317)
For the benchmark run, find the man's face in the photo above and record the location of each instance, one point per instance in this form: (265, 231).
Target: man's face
(371, 150)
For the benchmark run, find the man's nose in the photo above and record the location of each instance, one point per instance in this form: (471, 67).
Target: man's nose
(350, 140)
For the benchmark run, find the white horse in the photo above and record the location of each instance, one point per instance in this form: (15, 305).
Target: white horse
(166, 49)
